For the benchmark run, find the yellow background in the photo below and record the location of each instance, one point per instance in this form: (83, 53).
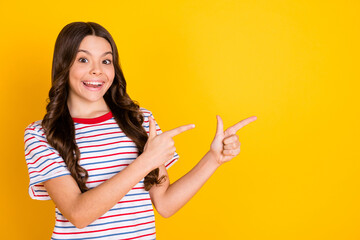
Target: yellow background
(293, 64)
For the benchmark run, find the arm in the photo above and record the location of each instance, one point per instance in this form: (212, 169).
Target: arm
(168, 199)
(81, 209)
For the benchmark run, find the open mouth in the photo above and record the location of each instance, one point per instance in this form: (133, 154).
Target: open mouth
(93, 84)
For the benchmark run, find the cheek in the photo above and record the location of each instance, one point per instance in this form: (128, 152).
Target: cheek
(111, 75)
(75, 74)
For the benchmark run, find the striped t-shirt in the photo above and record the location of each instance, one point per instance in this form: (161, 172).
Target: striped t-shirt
(105, 150)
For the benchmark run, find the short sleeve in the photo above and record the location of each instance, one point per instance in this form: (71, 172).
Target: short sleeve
(43, 161)
(148, 114)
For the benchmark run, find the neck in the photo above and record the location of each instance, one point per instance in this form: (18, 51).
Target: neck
(87, 110)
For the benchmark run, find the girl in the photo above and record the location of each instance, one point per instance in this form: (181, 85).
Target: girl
(101, 158)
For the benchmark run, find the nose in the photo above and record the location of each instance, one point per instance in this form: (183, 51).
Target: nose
(95, 69)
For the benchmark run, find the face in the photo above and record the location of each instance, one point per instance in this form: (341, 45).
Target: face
(92, 72)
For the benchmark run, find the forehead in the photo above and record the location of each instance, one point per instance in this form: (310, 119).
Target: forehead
(95, 45)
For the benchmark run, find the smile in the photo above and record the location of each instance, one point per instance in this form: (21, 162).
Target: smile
(93, 84)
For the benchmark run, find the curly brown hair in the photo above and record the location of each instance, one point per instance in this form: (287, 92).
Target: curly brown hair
(58, 123)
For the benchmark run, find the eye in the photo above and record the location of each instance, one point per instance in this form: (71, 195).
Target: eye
(80, 59)
(108, 61)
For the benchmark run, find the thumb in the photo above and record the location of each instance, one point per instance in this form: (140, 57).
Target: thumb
(152, 128)
(220, 126)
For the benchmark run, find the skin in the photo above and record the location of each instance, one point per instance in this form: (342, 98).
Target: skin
(93, 62)
(81, 209)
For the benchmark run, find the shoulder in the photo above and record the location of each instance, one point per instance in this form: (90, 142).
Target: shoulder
(35, 140)
(34, 129)
(146, 113)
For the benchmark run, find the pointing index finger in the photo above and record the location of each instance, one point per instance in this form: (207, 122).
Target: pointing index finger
(233, 129)
(178, 130)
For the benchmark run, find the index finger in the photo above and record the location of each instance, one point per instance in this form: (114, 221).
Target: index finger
(178, 130)
(233, 129)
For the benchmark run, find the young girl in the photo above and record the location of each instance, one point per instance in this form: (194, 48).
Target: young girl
(101, 158)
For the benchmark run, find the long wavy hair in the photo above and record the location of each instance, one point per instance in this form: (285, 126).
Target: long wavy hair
(58, 123)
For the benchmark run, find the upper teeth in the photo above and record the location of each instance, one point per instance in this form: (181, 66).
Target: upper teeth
(93, 83)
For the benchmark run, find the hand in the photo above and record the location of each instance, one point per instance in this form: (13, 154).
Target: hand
(226, 145)
(160, 148)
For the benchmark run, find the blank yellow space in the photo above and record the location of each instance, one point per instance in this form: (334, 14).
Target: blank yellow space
(293, 64)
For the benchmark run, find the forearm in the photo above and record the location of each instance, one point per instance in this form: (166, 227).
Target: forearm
(181, 191)
(92, 204)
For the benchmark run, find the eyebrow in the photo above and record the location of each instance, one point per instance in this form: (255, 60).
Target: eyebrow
(85, 51)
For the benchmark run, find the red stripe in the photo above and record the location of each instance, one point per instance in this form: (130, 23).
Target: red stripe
(138, 188)
(109, 155)
(98, 135)
(33, 128)
(99, 119)
(34, 149)
(121, 165)
(30, 128)
(33, 192)
(171, 162)
(43, 142)
(103, 124)
(124, 214)
(38, 195)
(105, 144)
(136, 200)
(139, 236)
(157, 130)
(28, 139)
(41, 157)
(59, 220)
(43, 168)
(38, 140)
(102, 230)
(103, 180)
(117, 215)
